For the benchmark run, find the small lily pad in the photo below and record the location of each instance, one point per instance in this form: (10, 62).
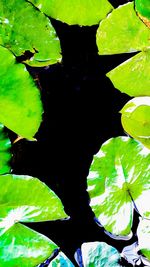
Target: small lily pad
(82, 12)
(136, 119)
(96, 254)
(121, 168)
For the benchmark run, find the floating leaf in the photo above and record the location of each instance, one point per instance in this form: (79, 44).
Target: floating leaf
(143, 9)
(25, 29)
(96, 254)
(136, 119)
(5, 154)
(27, 199)
(123, 32)
(61, 261)
(21, 246)
(132, 76)
(20, 103)
(143, 233)
(122, 171)
(82, 12)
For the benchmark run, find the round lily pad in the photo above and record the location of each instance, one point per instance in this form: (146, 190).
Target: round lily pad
(121, 168)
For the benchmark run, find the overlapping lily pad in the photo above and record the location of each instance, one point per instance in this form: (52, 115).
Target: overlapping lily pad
(24, 28)
(5, 153)
(20, 102)
(82, 12)
(124, 32)
(136, 119)
(119, 179)
(25, 199)
(96, 254)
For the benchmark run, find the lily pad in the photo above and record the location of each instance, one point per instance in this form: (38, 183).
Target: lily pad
(82, 12)
(25, 29)
(124, 32)
(132, 76)
(121, 168)
(20, 102)
(143, 233)
(21, 246)
(136, 119)
(95, 254)
(5, 153)
(27, 199)
(143, 9)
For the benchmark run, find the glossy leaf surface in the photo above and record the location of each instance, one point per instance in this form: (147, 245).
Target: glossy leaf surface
(143, 8)
(61, 261)
(27, 199)
(121, 168)
(82, 12)
(5, 153)
(96, 254)
(122, 32)
(143, 233)
(132, 76)
(136, 119)
(24, 28)
(21, 246)
(20, 102)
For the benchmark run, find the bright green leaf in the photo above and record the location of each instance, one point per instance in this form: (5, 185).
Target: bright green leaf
(132, 77)
(143, 233)
(122, 32)
(82, 12)
(122, 166)
(24, 28)
(143, 8)
(27, 199)
(61, 261)
(5, 153)
(20, 103)
(136, 119)
(96, 254)
(21, 246)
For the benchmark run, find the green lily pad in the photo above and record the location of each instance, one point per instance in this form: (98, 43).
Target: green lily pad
(132, 76)
(143, 8)
(61, 261)
(5, 153)
(27, 199)
(124, 32)
(97, 254)
(121, 169)
(24, 28)
(20, 102)
(82, 12)
(143, 233)
(136, 119)
(21, 246)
